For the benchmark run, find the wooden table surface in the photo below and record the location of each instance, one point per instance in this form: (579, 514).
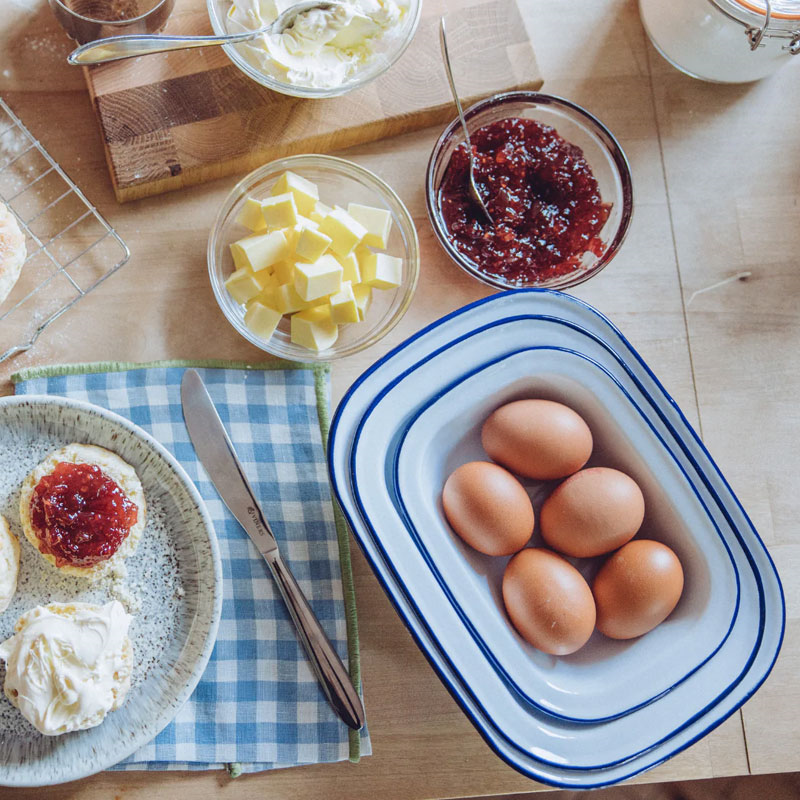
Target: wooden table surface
(717, 193)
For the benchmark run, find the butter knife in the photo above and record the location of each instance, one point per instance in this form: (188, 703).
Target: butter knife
(216, 453)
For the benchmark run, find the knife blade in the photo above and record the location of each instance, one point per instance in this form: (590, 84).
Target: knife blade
(218, 455)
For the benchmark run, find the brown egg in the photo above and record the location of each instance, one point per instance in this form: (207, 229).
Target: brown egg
(592, 512)
(488, 508)
(537, 438)
(637, 589)
(548, 601)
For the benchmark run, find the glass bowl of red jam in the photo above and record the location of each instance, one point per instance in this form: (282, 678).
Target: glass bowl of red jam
(556, 183)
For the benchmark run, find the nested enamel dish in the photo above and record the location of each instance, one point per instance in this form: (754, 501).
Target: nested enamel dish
(537, 743)
(175, 572)
(606, 678)
(624, 736)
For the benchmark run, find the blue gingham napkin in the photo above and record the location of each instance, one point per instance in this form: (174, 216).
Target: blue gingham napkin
(258, 705)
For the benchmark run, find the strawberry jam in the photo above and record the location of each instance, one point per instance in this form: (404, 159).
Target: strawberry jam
(80, 515)
(541, 194)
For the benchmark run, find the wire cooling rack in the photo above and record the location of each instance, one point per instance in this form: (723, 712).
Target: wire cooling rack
(71, 247)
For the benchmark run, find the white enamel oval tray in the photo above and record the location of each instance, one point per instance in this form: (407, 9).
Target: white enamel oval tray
(606, 678)
(173, 588)
(537, 744)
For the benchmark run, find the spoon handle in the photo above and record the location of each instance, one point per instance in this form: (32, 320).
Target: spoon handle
(449, 70)
(473, 186)
(116, 48)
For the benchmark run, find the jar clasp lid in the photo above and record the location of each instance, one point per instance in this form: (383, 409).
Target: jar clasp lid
(755, 34)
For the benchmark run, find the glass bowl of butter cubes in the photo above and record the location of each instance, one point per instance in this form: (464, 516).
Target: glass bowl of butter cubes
(313, 258)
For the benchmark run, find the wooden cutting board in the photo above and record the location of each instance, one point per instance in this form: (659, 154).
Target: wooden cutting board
(182, 118)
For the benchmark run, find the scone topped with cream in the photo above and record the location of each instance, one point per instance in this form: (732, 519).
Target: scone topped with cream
(9, 564)
(12, 251)
(68, 665)
(83, 509)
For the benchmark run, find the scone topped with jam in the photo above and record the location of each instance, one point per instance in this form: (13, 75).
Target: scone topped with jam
(68, 665)
(83, 509)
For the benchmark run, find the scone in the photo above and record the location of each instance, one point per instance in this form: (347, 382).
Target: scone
(83, 509)
(68, 665)
(9, 564)
(12, 251)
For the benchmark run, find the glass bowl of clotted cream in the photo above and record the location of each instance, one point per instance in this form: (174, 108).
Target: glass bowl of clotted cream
(326, 52)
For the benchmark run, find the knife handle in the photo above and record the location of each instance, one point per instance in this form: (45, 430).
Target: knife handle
(328, 667)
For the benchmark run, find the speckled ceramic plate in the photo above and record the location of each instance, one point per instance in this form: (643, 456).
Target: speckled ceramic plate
(173, 588)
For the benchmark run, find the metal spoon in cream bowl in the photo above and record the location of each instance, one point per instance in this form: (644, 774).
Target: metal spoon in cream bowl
(116, 48)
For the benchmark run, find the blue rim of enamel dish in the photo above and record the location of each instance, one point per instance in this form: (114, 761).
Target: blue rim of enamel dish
(428, 647)
(412, 528)
(606, 765)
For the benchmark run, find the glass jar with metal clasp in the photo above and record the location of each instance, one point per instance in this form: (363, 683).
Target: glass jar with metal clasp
(728, 41)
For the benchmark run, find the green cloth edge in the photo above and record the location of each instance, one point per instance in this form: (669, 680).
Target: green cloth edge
(321, 371)
(93, 367)
(345, 564)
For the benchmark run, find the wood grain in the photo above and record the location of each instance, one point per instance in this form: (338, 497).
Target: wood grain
(732, 159)
(183, 118)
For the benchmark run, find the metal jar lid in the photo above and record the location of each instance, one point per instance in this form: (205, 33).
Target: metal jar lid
(779, 19)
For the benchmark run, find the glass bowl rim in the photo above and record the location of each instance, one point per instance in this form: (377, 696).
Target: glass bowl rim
(309, 92)
(339, 166)
(579, 115)
(115, 22)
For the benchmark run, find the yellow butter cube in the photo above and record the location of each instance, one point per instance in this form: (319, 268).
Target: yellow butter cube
(377, 221)
(280, 211)
(350, 269)
(307, 222)
(305, 192)
(261, 319)
(287, 301)
(344, 231)
(283, 272)
(265, 278)
(242, 285)
(250, 216)
(239, 254)
(343, 305)
(293, 233)
(321, 277)
(311, 244)
(363, 254)
(320, 212)
(382, 271)
(260, 251)
(266, 297)
(314, 328)
(363, 297)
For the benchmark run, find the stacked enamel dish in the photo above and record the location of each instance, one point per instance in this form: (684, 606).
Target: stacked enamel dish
(614, 708)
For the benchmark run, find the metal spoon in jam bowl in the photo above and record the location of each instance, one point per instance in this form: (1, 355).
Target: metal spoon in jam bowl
(473, 187)
(115, 48)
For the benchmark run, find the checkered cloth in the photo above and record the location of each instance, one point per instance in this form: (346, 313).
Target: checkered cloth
(258, 705)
